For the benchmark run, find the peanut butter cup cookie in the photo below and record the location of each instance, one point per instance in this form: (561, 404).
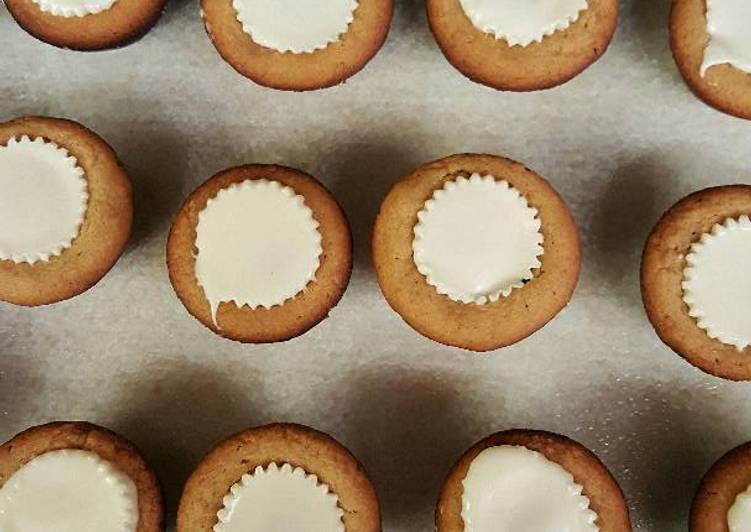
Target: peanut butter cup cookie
(297, 44)
(260, 253)
(695, 280)
(86, 24)
(520, 45)
(280, 477)
(65, 210)
(723, 500)
(711, 43)
(76, 476)
(530, 480)
(475, 251)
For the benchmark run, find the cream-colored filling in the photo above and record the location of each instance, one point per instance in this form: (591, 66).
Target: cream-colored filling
(477, 239)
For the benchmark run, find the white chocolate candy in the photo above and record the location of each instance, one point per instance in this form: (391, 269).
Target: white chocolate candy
(258, 245)
(739, 515)
(74, 8)
(280, 499)
(728, 23)
(43, 200)
(297, 26)
(68, 491)
(512, 489)
(522, 22)
(477, 239)
(717, 282)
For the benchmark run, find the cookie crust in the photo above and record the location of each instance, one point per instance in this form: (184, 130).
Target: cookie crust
(728, 477)
(474, 327)
(105, 229)
(112, 447)
(124, 22)
(605, 496)
(663, 263)
(490, 61)
(298, 72)
(296, 315)
(300, 446)
(724, 87)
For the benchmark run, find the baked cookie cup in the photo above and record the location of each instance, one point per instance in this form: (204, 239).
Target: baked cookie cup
(77, 476)
(297, 45)
(516, 45)
(711, 45)
(475, 251)
(86, 25)
(292, 476)
(260, 253)
(66, 210)
(695, 283)
(527, 479)
(723, 500)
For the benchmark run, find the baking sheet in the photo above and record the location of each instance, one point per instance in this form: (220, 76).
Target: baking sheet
(622, 142)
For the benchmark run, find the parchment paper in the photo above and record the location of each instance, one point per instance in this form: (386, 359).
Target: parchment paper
(622, 142)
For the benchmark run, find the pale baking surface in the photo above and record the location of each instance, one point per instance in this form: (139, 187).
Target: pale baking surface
(622, 142)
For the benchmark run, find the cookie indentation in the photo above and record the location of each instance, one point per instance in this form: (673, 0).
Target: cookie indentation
(717, 285)
(280, 498)
(74, 8)
(43, 201)
(510, 488)
(257, 244)
(477, 239)
(522, 22)
(729, 36)
(297, 26)
(68, 490)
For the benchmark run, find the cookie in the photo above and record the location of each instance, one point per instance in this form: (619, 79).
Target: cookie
(77, 476)
(260, 253)
(294, 45)
(475, 251)
(515, 478)
(289, 475)
(86, 25)
(712, 47)
(517, 45)
(65, 212)
(694, 280)
(723, 500)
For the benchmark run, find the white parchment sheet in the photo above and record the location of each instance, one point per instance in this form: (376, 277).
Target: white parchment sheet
(622, 142)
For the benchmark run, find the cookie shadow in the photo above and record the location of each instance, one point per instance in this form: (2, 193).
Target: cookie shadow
(411, 23)
(626, 212)
(177, 411)
(649, 23)
(21, 384)
(408, 428)
(656, 439)
(154, 158)
(361, 174)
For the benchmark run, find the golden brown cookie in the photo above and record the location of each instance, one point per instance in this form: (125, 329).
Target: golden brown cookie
(554, 60)
(662, 276)
(605, 496)
(726, 479)
(120, 24)
(106, 225)
(478, 327)
(295, 315)
(301, 447)
(115, 449)
(300, 70)
(724, 87)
